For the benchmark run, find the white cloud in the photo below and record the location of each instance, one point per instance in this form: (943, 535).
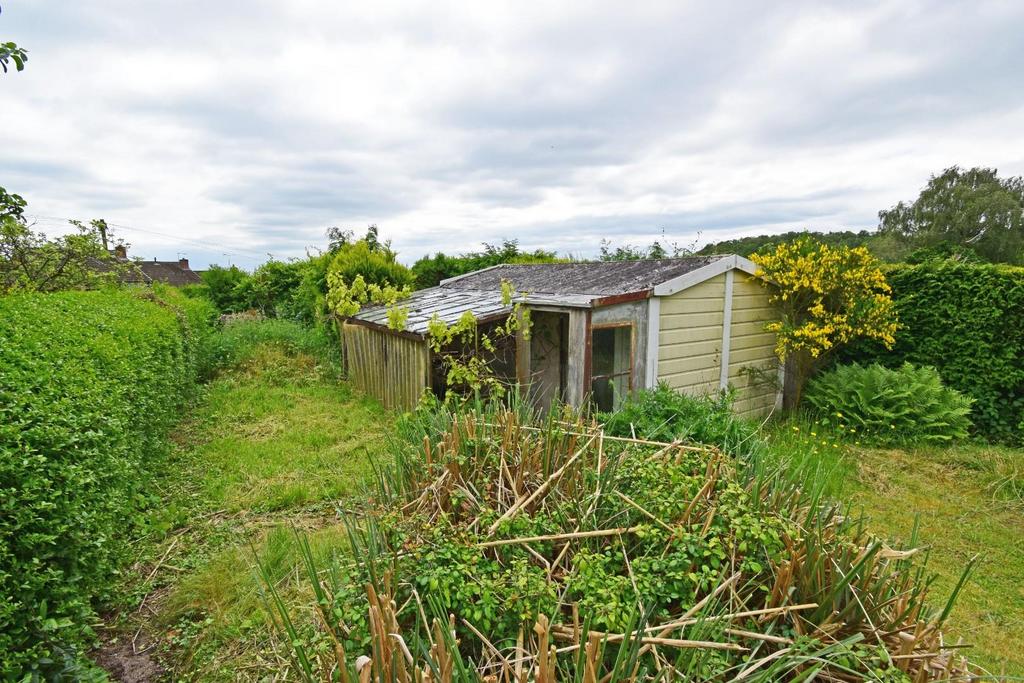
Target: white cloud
(249, 127)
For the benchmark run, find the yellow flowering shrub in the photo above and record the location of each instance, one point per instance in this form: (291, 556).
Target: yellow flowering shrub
(826, 297)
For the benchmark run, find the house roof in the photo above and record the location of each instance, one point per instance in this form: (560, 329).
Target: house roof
(146, 272)
(169, 272)
(598, 279)
(563, 285)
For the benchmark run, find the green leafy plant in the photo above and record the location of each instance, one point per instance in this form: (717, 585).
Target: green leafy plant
(467, 351)
(430, 270)
(90, 383)
(876, 404)
(664, 414)
(967, 321)
(10, 52)
(496, 540)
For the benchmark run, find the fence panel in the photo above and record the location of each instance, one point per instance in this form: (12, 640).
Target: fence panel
(391, 368)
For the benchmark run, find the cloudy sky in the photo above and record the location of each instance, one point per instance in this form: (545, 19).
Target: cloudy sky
(227, 130)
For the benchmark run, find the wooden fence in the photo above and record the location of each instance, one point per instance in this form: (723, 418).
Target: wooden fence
(393, 369)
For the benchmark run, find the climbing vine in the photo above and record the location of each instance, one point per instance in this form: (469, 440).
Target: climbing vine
(346, 299)
(467, 352)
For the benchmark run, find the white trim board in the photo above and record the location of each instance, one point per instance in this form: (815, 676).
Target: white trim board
(723, 378)
(653, 341)
(695, 277)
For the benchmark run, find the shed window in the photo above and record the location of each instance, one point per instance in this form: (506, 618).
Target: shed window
(611, 365)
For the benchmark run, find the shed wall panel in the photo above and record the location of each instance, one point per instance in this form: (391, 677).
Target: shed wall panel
(690, 342)
(753, 366)
(690, 337)
(391, 368)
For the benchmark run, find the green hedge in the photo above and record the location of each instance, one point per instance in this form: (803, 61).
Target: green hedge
(90, 383)
(966, 320)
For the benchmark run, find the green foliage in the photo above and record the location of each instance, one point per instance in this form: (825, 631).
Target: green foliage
(467, 351)
(376, 263)
(630, 252)
(237, 341)
(745, 246)
(10, 52)
(90, 382)
(271, 287)
(973, 209)
(224, 287)
(967, 321)
(308, 303)
(905, 406)
(664, 414)
(614, 536)
(12, 206)
(825, 298)
(30, 261)
(430, 270)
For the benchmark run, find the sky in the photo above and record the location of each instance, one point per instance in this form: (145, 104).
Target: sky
(225, 131)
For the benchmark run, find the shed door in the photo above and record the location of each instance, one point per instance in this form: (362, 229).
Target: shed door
(612, 365)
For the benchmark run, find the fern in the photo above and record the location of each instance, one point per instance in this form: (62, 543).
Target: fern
(879, 405)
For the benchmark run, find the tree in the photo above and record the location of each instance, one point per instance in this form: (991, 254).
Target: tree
(430, 270)
(32, 262)
(826, 297)
(973, 209)
(10, 52)
(745, 246)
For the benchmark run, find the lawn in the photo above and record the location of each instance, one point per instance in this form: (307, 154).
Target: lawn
(967, 499)
(276, 444)
(970, 502)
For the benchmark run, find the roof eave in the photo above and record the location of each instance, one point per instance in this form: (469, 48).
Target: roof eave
(695, 277)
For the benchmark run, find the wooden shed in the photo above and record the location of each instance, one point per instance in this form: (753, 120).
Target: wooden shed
(600, 330)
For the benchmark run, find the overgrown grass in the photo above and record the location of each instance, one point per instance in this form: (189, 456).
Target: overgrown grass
(969, 501)
(525, 530)
(277, 442)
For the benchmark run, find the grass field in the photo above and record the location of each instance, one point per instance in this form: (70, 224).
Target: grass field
(970, 502)
(276, 444)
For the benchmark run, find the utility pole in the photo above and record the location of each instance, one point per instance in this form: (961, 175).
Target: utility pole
(101, 225)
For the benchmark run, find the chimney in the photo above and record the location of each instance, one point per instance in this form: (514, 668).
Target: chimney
(183, 263)
(121, 252)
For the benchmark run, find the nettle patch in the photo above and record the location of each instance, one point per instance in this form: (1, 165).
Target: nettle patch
(506, 548)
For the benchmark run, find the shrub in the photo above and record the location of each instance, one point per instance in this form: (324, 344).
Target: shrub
(826, 297)
(377, 265)
(492, 536)
(90, 382)
(225, 286)
(907, 405)
(664, 414)
(430, 270)
(966, 320)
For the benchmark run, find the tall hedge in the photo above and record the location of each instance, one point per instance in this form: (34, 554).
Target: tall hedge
(966, 320)
(90, 383)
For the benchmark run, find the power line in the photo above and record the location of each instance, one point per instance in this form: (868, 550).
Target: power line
(234, 251)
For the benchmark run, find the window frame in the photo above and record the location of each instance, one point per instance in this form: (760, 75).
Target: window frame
(611, 376)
